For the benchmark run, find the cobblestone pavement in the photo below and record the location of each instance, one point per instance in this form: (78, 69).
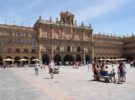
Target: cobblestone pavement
(70, 84)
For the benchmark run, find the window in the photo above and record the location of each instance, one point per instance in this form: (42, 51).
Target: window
(68, 49)
(18, 41)
(9, 50)
(26, 51)
(17, 50)
(26, 42)
(33, 51)
(78, 49)
(18, 33)
(58, 48)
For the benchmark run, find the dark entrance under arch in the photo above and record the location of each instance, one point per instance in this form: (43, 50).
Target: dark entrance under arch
(27, 60)
(88, 59)
(45, 59)
(78, 58)
(32, 62)
(129, 58)
(1, 59)
(68, 59)
(17, 60)
(9, 62)
(57, 59)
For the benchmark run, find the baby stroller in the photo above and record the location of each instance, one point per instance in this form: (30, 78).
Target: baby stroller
(56, 70)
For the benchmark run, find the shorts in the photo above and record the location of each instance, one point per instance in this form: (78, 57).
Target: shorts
(50, 70)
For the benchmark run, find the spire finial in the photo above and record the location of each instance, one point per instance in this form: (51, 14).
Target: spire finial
(39, 17)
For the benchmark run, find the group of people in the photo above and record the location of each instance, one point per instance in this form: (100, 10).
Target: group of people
(132, 64)
(101, 71)
(51, 68)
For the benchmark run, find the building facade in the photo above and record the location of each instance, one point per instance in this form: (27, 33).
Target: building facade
(129, 47)
(62, 41)
(16, 43)
(107, 47)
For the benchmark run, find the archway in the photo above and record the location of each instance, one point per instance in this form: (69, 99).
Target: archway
(129, 58)
(57, 59)
(27, 60)
(16, 60)
(9, 62)
(68, 59)
(95, 59)
(78, 58)
(45, 59)
(32, 62)
(1, 59)
(99, 60)
(87, 59)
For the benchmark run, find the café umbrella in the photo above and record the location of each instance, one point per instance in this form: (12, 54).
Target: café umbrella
(23, 59)
(36, 60)
(8, 59)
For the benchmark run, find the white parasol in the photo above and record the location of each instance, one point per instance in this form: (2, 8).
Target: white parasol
(8, 59)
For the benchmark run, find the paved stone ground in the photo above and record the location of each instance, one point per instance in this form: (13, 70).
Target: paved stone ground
(70, 84)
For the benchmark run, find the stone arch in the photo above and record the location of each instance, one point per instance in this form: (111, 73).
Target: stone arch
(8, 62)
(57, 59)
(69, 59)
(87, 59)
(31, 60)
(95, 59)
(45, 59)
(99, 60)
(8, 57)
(78, 49)
(17, 60)
(26, 62)
(1, 59)
(78, 58)
(68, 49)
(129, 58)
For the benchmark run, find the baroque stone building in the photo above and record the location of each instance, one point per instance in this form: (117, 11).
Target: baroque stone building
(107, 47)
(129, 47)
(16, 43)
(62, 41)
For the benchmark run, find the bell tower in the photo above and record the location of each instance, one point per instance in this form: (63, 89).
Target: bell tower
(67, 18)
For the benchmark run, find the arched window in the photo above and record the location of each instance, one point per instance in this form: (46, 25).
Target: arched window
(58, 48)
(63, 20)
(78, 49)
(68, 49)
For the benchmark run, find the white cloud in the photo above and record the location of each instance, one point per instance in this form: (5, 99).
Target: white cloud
(100, 9)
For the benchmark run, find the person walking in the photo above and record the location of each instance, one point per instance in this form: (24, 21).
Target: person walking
(113, 74)
(36, 68)
(51, 69)
(4, 66)
(120, 73)
(95, 72)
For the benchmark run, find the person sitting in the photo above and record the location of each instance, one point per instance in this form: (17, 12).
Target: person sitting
(104, 71)
(94, 69)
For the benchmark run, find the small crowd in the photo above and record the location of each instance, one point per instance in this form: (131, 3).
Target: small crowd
(102, 72)
(51, 67)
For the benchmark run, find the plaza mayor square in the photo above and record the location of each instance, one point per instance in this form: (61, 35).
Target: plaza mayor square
(67, 50)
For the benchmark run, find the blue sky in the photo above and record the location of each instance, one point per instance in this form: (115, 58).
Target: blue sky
(106, 16)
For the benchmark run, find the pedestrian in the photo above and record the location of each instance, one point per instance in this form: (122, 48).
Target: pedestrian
(4, 66)
(88, 66)
(112, 74)
(36, 68)
(95, 72)
(120, 73)
(124, 72)
(51, 69)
